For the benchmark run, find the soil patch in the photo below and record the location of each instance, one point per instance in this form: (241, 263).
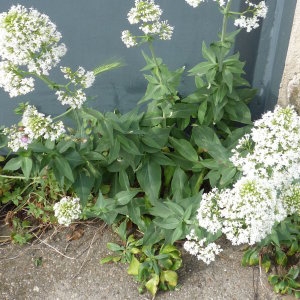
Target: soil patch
(55, 267)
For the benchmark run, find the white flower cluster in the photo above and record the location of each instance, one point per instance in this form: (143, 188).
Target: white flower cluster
(148, 14)
(34, 126)
(79, 77)
(12, 82)
(257, 11)
(27, 39)
(67, 210)
(268, 190)
(83, 79)
(195, 3)
(272, 148)
(204, 251)
(291, 198)
(245, 214)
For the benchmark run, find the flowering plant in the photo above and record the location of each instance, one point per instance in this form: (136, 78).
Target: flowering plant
(150, 168)
(268, 189)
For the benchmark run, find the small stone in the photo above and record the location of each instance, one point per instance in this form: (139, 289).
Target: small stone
(36, 289)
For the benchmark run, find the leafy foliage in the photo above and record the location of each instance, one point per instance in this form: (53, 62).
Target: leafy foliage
(279, 255)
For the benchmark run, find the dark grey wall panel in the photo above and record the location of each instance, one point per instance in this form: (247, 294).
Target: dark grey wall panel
(91, 31)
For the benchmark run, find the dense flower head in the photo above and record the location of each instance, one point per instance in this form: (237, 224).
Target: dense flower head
(201, 248)
(271, 150)
(29, 38)
(80, 79)
(144, 11)
(128, 39)
(194, 3)
(248, 19)
(34, 125)
(148, 14)
(256, 11)
(291, 198)
(74, 99)
(12, 82)
(67, 210)
(268, 189)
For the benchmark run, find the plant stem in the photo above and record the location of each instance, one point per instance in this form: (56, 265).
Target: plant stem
(17, 177)
(155, 60)
(226, 13)
(63, 114)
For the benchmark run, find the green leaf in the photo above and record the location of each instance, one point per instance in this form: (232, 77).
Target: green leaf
(202, 112)
(227, 175)
(228, 79)
(63, 146)
(83, 186)
(128, 145)
(157, 137)
(273, 279)
(202, 68)
(184, 110)
(149, 178)
(177, 234)
(184, 148)
(208, 53)
(169, 276)
(134, 266)
(152, 284)
(114, 247)
(63, 167)
(179, 185)
(107, 259)
(170, 223)
(266, 263)
(281, 258)
(26, 166)
(125, 197)
(13, 164)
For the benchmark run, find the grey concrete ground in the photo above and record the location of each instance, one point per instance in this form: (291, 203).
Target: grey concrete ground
(71, 270)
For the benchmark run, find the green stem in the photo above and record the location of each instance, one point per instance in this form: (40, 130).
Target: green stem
(63, 114)
(156, 63)
(199, 181)
(226, 13)
(17, 177)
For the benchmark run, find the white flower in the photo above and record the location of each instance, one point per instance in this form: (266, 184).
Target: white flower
(12, 82)
(166, 31)
(245, 214)
(201, 248)
(272, 148)
(251, 22)
(291, 198)
(74, 99)
(29, 38)
(194, 3)
(34, 126)
(67, 210)
(128, 39)
(148, 14)
(80, 77)
(144, 11)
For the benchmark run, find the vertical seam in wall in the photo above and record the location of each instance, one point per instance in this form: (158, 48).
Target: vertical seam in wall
(268, 73)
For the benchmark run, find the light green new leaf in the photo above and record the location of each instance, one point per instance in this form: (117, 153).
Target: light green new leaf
(152, 284)
(134, 266)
